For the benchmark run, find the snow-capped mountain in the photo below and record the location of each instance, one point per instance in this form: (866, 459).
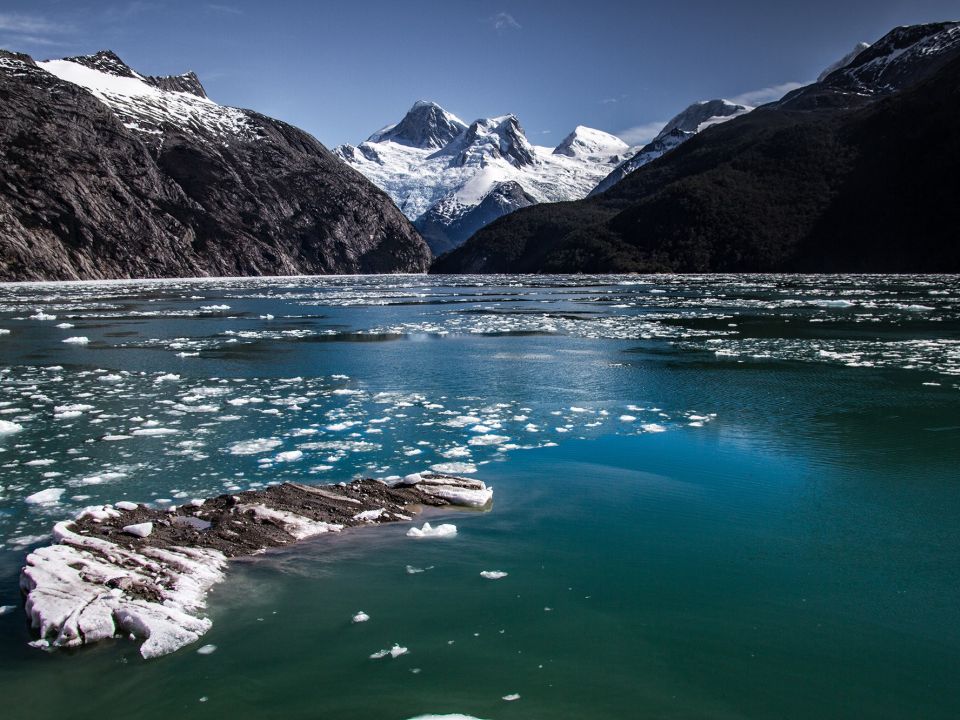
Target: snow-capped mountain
(682, 127)
(901, 58)
(109, 173)
(145, 104)
(844, 61)
(452, 178)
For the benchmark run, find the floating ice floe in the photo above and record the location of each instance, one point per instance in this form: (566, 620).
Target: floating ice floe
(511, 697)
(360, 617)
(50, 496)
(41, 315)
(7, 427)
(428, 531)
(128, 569)
(77, 340)
(206, 649)
(493, 574)
(252, 447)
(394, 652)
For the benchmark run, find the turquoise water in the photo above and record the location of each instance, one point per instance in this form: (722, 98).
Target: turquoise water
(737, 496)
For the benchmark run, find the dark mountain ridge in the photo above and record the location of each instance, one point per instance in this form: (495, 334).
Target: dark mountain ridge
(111, 174)
(855, 173)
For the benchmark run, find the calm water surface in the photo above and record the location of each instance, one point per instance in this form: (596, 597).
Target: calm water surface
(723, 497)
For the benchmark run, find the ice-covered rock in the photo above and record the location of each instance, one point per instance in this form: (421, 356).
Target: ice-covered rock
(129, 569)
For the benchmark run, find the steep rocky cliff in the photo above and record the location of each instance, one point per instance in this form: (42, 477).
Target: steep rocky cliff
(107, 173)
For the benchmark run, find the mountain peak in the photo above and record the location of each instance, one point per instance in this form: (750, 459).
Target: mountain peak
(426, 125)
(105, 61)
(586, 141)
(700, 115)
(844, 61)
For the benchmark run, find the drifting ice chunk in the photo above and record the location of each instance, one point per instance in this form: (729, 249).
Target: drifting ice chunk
(511, 697)
(7, 427)
(77, 340)
(206, 649)
(394, 652)
(428, 531)
(124, 505)
(252, 447)
(360, 617)
(493, 574)
(140, 530)
(45, 497)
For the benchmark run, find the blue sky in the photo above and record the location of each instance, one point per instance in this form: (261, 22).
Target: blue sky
(341, 69)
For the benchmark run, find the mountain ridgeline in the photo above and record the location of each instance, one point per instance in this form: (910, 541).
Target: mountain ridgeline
(111, 174)
(452, 178)
(854, 173)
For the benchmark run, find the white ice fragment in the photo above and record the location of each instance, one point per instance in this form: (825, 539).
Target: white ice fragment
(41, 315)
(360, 617)
(428, 531)
(77, 340)
(511, 697)
(65, 325)
(7, 427)
(493, 574)
(140, 530)
(206, 649)
(370, 515)
(125, 505)
(289, 456)
(394, 652)
(154, 431)
(252, 447)
(653, 427)
(49, 496)
(167, 377)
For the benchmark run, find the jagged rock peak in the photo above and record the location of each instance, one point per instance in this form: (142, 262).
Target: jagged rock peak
(426, 125)
(108, 62)
(589, 141)
(188, 83)
(105, 61)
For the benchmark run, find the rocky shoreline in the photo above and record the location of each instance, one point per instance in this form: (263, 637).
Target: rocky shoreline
(129, 569)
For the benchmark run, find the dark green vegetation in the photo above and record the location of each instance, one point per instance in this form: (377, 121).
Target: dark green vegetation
(857, 173)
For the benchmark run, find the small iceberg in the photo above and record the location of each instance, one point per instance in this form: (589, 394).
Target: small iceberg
(493, 574)
(394, 652)
(428, 531)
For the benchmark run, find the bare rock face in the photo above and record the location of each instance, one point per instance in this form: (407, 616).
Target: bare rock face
(110, 174)
(129, 569)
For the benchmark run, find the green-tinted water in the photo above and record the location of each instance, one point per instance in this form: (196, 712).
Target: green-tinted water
(737, 498)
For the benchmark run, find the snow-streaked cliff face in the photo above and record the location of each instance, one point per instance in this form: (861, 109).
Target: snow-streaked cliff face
(445, 183)
(143, 104)
(683, 126)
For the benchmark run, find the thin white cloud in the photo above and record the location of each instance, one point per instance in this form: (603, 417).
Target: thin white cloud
(21, 30)
(767, 94)
(223, 9)
(504, 22)
(641, 134)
